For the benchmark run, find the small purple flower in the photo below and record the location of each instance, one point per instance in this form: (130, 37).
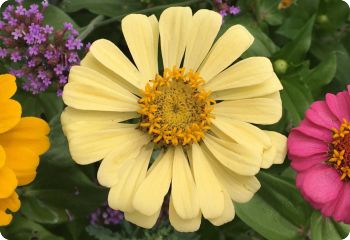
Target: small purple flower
(33, 50)
(3, 53)
(20, 10)
(33, 9)
(234, 10)
(68, 26)
(48, 29)
(31, 63)
(70, 44)
(45, 4)
(59, 69)
(43, 55)
(106, 216)
(73, 58)
(16, 34)
(223, 13)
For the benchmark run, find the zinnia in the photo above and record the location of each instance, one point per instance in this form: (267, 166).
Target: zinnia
(320, 152)
(195, 118)
(22, 140)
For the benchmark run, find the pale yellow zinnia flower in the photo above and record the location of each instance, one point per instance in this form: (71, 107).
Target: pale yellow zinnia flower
(198, 114)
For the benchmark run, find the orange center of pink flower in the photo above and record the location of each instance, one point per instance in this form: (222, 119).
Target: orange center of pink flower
(339, 152)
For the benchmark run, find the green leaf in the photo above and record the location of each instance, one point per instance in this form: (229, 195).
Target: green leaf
(325, 228)
(39, 211)
(322, 75)
(22, 228)
(110, 8)
(295, 50)
(30, 104)
(297, 15)
(56, 17)
(51, 103)
(277, 211)
(267, 10)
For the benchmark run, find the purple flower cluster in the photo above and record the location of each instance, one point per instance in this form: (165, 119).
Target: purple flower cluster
(40, 55)
(225, 8)
(106, 216)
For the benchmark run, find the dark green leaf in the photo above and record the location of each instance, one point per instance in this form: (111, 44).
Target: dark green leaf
(322, 75)
(325, 228)
(56, 17)
(295, 50)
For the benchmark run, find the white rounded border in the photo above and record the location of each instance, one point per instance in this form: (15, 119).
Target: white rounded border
(1, 2)
(347, 2)
(2, 238)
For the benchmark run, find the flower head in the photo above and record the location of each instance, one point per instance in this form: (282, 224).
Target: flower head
(320, 152)
(35, 46)
(22, 140)
(195, 117)
(225, 8)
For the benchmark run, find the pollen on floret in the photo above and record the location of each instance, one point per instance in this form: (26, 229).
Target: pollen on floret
(175, 108)
(339, 150)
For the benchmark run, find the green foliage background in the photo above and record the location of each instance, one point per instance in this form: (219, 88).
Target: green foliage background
(312, 36)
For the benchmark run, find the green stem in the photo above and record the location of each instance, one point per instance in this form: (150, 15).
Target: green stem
(98, 22)
(91, 26)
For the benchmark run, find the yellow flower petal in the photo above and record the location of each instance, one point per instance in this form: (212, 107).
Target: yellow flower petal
(279, 141)
(23, 163)
(8, 86)
(72, 117)
(10, 114)
(238, 158)
(270, 86)
(149, 196)
(11, 203)
(181, 224)
(235, 41)
(30, 132)
(131, 175)
(241, 132)
(121, 153)
(210, 194)
(205, 27)
(142, 220)
(183, 185)
(174, 29)
(138, 33)
(92, 63)
(269, 156)
(256, 110)
(248, 72)
(8, 182)
(155, 29)
(240, 188)
(228, 213)
(86, 93)
(2, 157)
(110, 56)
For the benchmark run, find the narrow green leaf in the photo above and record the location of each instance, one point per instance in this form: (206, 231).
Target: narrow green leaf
(277, 210)
(322, 75)
(295, 50)
(56, 17)
(323, 228)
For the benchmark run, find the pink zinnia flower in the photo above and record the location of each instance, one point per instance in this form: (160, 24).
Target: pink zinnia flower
(320, 152)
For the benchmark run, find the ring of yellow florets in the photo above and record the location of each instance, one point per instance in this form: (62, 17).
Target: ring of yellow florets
(175, 109)
(339, 150)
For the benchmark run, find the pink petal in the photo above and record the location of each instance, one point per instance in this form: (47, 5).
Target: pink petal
(303, 164)
(312, 130)
(301, 145)
(320, 114)
(322, 184)
(339, 105)
(342, 210)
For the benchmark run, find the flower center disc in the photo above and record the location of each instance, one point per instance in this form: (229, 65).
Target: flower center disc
(339, 152)
(175, 109)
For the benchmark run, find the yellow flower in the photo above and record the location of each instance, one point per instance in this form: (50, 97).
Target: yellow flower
(197, 115)
(22, 140)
